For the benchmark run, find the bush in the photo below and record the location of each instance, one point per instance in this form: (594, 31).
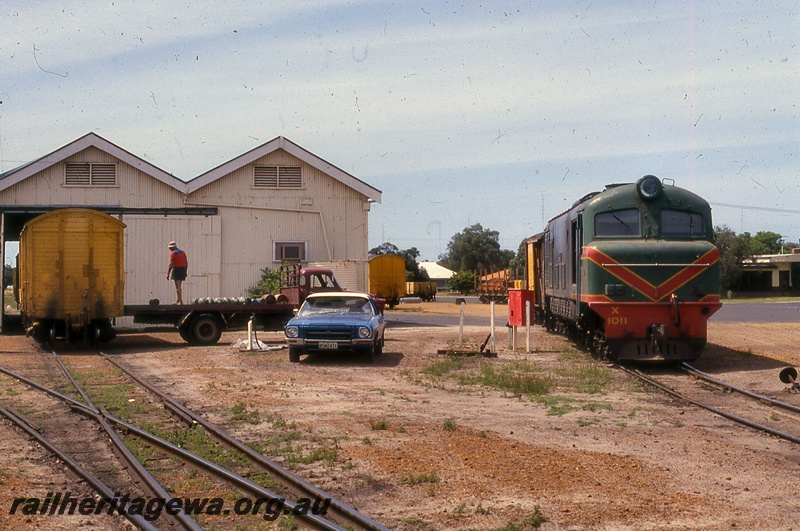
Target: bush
(462, 282)
(269, 283)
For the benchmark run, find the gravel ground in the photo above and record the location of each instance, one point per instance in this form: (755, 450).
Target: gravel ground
(424, 441)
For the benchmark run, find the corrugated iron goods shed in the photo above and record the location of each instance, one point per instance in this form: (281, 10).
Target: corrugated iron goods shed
(275, 202)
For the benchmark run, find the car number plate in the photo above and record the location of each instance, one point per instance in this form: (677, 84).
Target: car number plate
(327, 345)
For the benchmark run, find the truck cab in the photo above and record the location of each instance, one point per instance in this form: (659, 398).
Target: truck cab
(298, 282)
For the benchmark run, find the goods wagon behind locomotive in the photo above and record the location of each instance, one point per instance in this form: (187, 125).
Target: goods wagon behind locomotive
(71, 274)
(630, 272)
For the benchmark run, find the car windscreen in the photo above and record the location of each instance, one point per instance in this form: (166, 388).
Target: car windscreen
(617, 223)
(682, 224)
(327, 305)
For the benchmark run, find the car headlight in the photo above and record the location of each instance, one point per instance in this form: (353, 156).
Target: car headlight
(364, 332)
(649, 187)
(291, 331)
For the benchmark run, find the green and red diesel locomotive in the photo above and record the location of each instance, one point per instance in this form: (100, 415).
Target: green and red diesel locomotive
(630, 272)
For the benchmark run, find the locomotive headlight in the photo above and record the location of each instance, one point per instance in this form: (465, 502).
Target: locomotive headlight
(649, 187)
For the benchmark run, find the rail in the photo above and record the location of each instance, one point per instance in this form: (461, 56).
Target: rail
(335, 504)
(713, 409)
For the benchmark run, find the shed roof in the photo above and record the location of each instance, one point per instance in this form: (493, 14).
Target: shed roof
(767, 259)
(293, 149)
(20, 173)
(435, 271)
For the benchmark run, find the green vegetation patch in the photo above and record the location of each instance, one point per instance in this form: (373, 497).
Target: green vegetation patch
(519, 379)
(419, 479)
(589, 378)
(241, 412)
(441, 368)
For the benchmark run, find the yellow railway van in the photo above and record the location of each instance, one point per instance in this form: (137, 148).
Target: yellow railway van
(387, 277)
(71, 274)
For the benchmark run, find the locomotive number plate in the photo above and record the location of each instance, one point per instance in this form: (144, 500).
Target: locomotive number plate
(327, 345)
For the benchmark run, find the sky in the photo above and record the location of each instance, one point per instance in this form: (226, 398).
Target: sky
(500, 113)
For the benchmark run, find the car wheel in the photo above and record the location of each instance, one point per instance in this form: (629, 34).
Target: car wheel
(379, 348)
(370, 354)
(294, 354)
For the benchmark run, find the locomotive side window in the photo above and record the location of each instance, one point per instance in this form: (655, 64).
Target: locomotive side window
(617, 223)
(682, 224)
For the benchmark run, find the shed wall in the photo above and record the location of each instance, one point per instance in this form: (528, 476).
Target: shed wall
(147, 257)
(134, 188)
(325, 214)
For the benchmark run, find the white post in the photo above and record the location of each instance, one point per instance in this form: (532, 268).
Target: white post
(250, 334)
(461, 325)
(528, 323)
(494, 344)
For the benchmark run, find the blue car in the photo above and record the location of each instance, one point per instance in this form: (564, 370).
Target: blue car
(333, 322)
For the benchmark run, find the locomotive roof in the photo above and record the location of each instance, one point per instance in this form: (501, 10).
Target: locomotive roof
(628, 188)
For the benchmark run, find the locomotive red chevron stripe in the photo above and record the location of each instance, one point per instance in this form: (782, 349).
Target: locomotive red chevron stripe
(654, 293)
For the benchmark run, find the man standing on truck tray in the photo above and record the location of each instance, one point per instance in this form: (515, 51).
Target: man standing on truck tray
(178, 264)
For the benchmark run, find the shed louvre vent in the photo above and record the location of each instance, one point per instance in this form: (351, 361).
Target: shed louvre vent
(277, 177)
(90, 174)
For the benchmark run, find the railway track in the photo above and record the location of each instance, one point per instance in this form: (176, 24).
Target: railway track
(327, 512)
(727, 400)
(67, 427)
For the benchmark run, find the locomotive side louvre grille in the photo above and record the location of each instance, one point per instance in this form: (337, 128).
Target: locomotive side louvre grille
(277, 177)
(90, 174)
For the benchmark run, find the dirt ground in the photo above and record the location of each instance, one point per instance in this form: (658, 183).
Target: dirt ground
(419, 440)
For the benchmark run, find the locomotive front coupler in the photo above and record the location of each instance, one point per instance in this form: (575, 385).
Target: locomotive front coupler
(658, 335)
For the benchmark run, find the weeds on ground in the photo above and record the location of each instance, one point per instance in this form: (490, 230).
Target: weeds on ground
(379, 425)
(518, 378)
(441, 368)
(533, 521)
(419, 479)
(242, 413)
(589, 378)
(419, 523)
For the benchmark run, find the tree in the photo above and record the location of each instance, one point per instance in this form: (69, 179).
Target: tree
(463, 282)
(516, 266)
(476, 249)
(8, 276)
(385, 248)
(413, 272)
(765, 242)
(732, 250)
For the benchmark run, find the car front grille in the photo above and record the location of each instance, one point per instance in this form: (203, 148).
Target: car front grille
(328, 334)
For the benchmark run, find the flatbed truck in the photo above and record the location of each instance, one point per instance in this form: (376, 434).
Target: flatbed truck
(203, 324)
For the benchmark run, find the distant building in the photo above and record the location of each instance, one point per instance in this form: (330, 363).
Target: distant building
(773, 273)
(437, 273)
